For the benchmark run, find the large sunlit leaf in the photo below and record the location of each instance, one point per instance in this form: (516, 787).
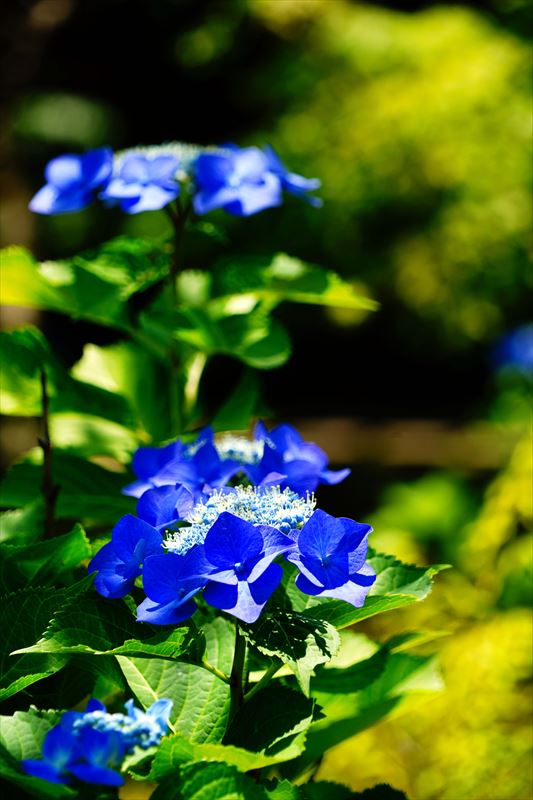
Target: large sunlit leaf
(200, 699)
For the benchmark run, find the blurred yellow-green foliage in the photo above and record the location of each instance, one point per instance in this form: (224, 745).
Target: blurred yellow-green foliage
(423, 123)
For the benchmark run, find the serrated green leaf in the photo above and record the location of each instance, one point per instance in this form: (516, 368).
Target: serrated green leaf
(298, 640)
(209, 781)
(25, 615)
(200, 699)
(95, 626)
(40, 563)
(274, 722)
(87, 491)
(22, 525)
(396, 585)
(21, 737)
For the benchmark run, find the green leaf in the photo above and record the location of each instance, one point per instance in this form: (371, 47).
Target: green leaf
(396, 585)
(26, 614)
(298, 640)
(22, 525)
(95, 626)
(93, 285)
(129, 370)
(24, 353)
(200, 699)
(177, 750)
(42, 562)
(21, 737)
(380, 688)
(87, 491)
(210, 781)
(281, 277)
(274, 722)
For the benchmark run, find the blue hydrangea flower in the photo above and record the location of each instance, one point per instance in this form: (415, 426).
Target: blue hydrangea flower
(330, 554)
(238, 180)
(198, 466)
(170, 582)
(515, 350)
(60, 749)
(120, 561)
(137, 728)
(242, 575)
(72, 181)
(290, 181)
(289, 461)
(143, 183)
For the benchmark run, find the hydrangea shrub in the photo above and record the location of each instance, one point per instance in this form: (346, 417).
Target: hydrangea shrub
(178, 567)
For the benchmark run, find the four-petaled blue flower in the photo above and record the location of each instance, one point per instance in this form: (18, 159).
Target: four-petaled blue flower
(72, 181)
(143, 183)
(290, 181)
(102, 751)
(198, 467)
(237, 180)
(330, 554)
(170, 581)
(242, 575)
(165, 505)
(120, 561)
(290, 462)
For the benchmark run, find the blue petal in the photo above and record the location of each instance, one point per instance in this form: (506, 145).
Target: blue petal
(58, 746)
(212, 171)
(101, 747)
(119, 189)
(172, 577)
(137, 488)
(165, 613)
(206, 200)
(221, 595)
(250, 164)
(151, 198)
(97, 166)
(252, 198)
(127, 534)
(43, 770)
(308, 587)
(160, 710)
(134, 169)
(162, 170)
(165, 504)
(147, 461)
(320, 536)
(333, 477)
(350, 592)
(113, 579)
(231, 540)
(94, 705)
(96, 774)
(64, 172)
(50, 200)
(262, 588)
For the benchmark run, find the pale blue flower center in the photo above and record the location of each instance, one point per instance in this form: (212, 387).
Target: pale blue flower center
(284, 510)
(144, 732)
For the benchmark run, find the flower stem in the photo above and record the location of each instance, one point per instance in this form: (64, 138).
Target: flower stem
(237, 674)
(267, 677)
(48, 488)
(210, 668)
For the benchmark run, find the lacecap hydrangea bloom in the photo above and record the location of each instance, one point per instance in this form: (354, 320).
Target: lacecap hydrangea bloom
(91, 745)
(226, 545)
(242, 181)
(278, 457)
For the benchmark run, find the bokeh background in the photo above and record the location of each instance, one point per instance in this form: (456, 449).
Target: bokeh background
(417, 118)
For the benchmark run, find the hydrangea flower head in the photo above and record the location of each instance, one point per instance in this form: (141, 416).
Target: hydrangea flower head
(330, 554)
(237, 180)
(120, 561)
(72, 181)
(143, 183)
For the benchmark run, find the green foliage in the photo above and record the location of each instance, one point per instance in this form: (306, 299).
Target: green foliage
(298, 640)
(200, 699)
